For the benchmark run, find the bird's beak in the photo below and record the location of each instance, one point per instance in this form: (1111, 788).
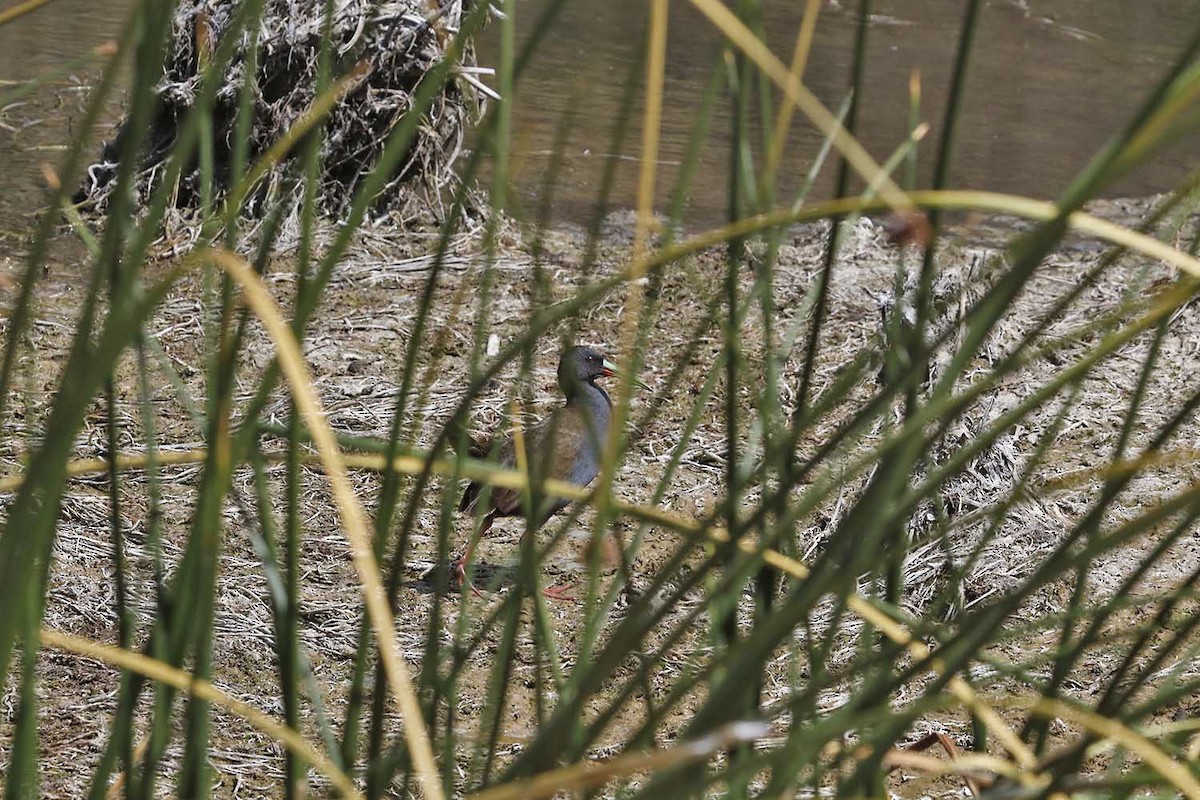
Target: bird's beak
(611, 370)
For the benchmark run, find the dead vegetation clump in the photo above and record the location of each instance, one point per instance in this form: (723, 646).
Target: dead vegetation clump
(388, 48)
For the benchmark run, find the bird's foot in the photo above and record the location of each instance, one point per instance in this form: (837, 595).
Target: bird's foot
(561, 592)
(458, 568)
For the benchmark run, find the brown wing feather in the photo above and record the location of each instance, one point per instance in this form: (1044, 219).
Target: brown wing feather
(561, 435)
(568, 433)
(501, 501)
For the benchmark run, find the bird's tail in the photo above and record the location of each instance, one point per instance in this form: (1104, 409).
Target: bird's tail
(469, 498)
(476, 448)
(457, 430)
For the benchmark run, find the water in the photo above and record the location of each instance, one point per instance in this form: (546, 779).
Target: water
(1050, 80)
(35, 129)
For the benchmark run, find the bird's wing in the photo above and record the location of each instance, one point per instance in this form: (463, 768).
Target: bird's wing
(576, 454)
(558, 447)
(574, 461)
(477, 446)
(504, 502)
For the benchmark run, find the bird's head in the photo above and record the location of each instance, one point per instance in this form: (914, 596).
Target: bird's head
(583, 364)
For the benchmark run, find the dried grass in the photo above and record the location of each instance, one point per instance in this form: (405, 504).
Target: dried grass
(389, 45)
(354, 347)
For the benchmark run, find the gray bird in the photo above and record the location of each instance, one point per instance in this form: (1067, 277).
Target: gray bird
(566, 446)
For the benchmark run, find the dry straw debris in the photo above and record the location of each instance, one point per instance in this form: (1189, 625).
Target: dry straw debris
(354, 350)
(388, 46)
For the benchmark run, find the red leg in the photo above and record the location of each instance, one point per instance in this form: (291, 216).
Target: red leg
(459, 569)
(459, 565)
(557, 592)
(610, 550)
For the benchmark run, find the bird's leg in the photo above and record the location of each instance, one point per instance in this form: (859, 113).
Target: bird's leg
(560, 592)
(459, 569)
(610, 550)
(555, 592)
(610, 553)
(459, 565)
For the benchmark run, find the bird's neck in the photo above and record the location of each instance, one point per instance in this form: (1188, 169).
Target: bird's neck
(591, 398)
(596, 410)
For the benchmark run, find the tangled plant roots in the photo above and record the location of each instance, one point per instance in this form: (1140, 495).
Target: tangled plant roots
(390, 45)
